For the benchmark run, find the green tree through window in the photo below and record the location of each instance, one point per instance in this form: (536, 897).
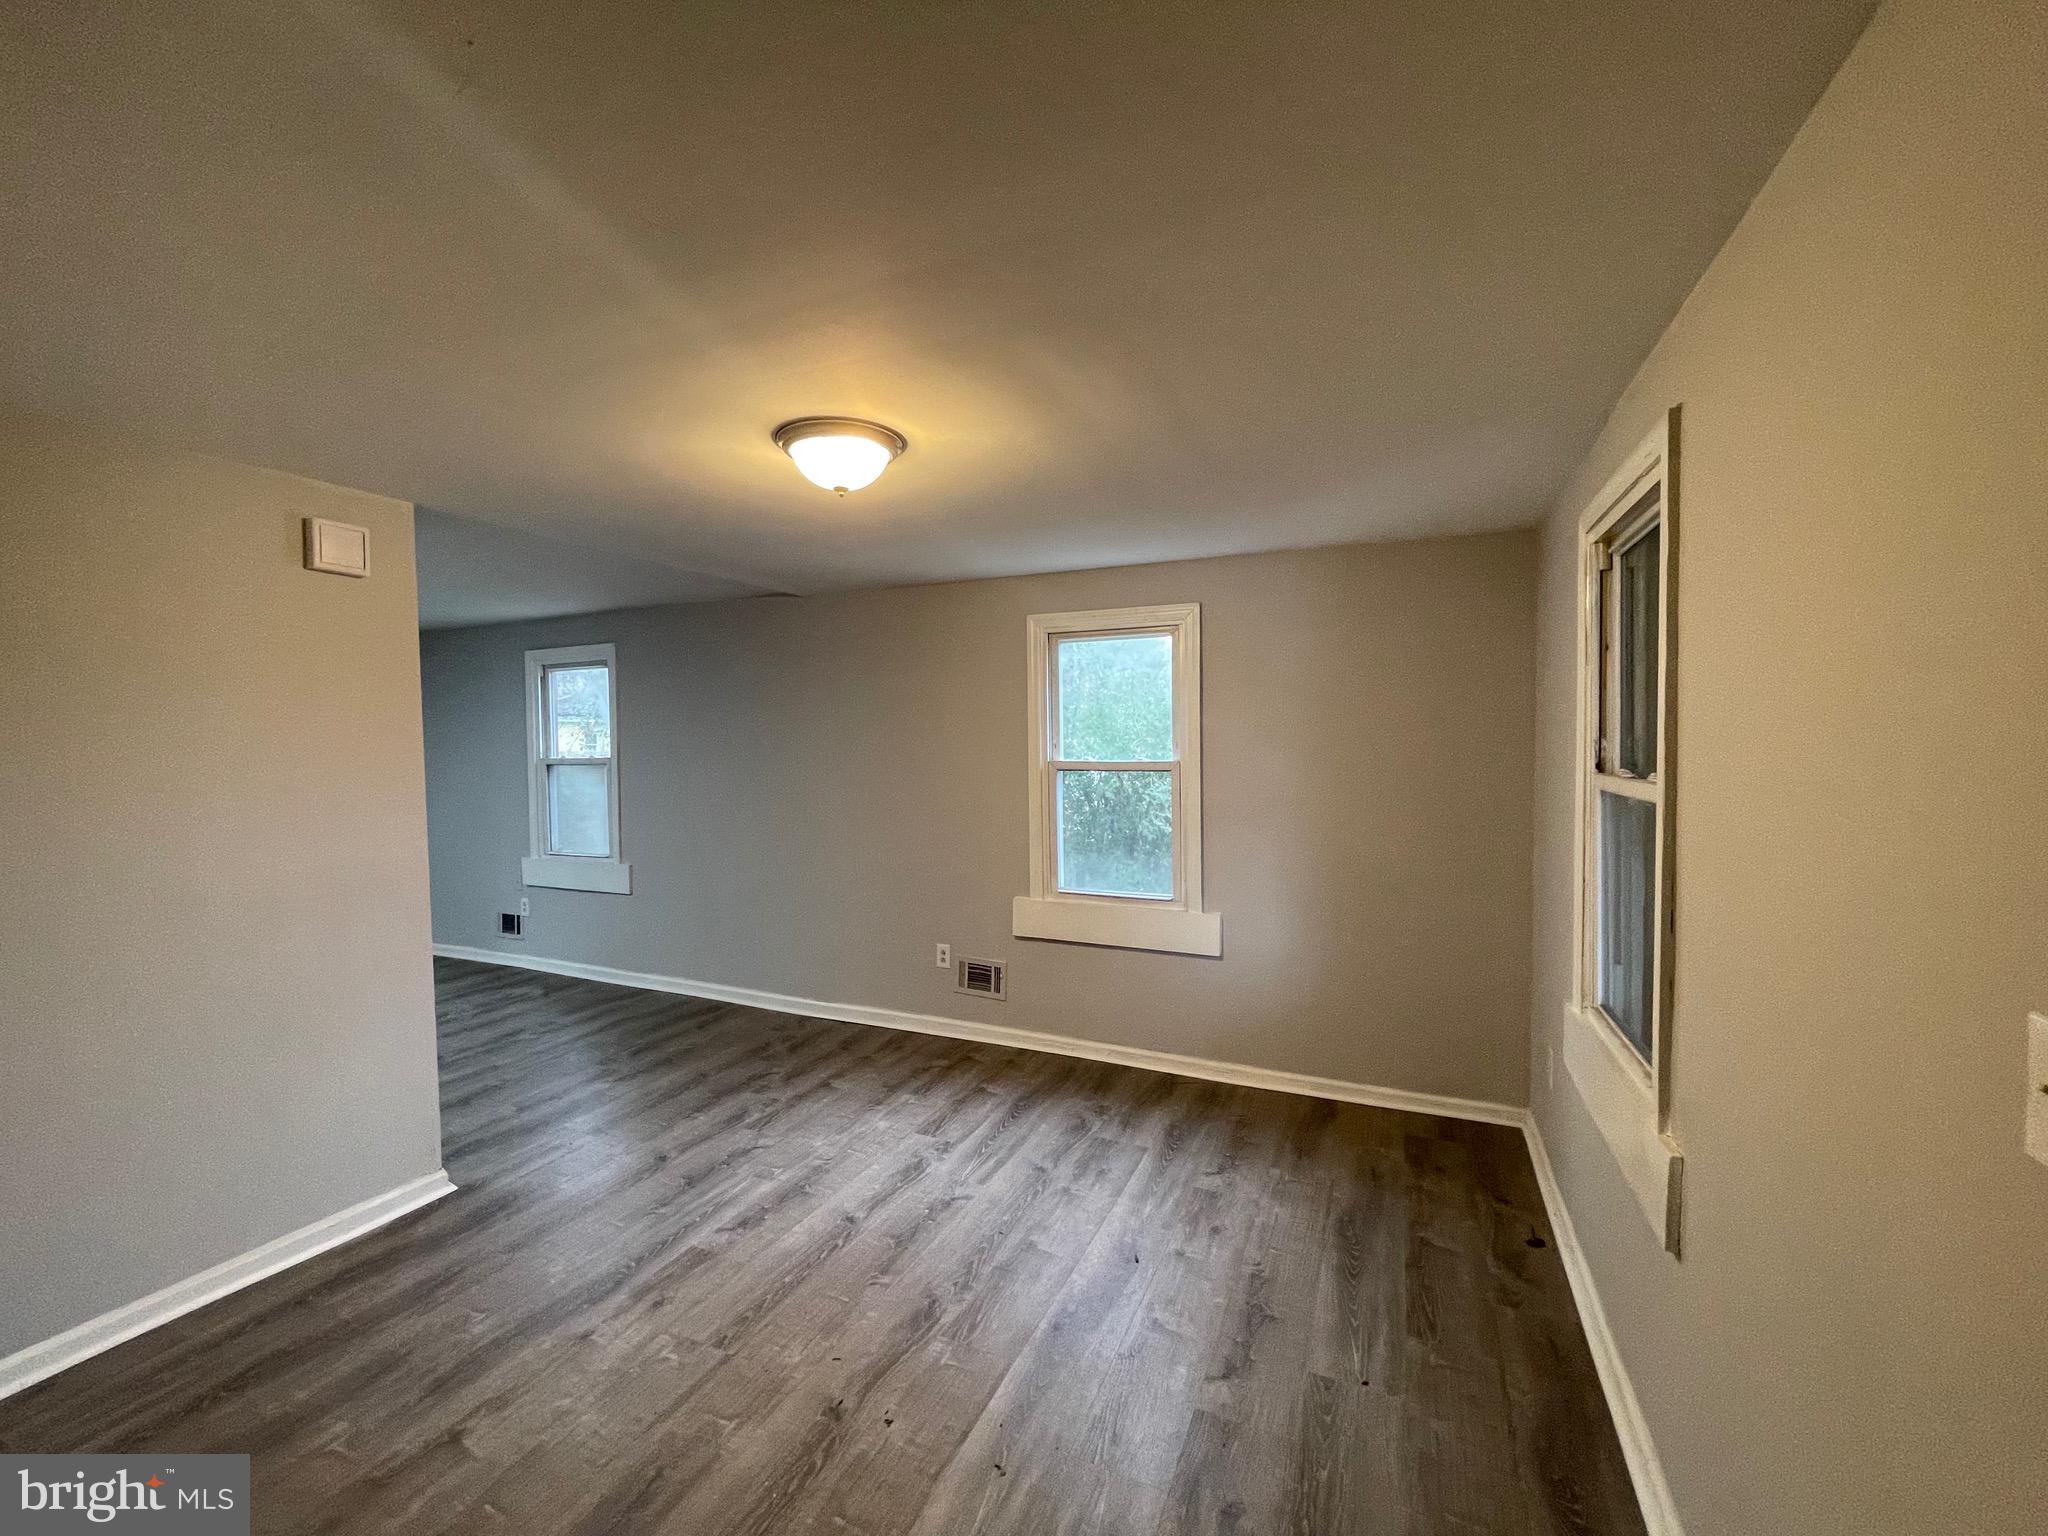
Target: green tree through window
(1115, 833)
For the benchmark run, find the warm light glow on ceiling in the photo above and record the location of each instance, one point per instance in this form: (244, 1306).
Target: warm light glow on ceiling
(839, 453)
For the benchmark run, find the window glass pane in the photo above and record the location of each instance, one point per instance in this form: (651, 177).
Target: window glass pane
(1116, 831)
(579, 712)
(1116, 699)
(579, 809)
(1637, 633)
(1627, 911)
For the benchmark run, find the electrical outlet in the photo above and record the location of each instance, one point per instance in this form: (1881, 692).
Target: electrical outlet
(945, 960)
(2037, 1087)
(1550, 1066)
(525, 907)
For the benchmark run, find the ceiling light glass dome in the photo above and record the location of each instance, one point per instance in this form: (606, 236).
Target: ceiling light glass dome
(839, 453)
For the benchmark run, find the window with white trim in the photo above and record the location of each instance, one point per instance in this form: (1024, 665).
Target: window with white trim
(1617, 1029)
(1116, 781)
(573, 770)
(1625, 792)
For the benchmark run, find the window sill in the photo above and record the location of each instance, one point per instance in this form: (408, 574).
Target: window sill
(1118, 925)
(1616, 1089)
(607, 875)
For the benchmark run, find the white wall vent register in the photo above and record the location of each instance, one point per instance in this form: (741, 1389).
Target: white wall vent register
(984, 978)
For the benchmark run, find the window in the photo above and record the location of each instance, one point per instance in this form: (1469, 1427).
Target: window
(1116, 781)
(1617, 1029)
(1628, 585)
(573, 771)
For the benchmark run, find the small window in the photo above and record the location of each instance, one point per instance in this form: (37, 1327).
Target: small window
(572, 770)
(1115, 733)
(1115, 765)
(1618, 1028)
(1624, 812)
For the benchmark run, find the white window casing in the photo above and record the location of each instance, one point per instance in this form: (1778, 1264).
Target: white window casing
(543, 866)
(1625, 1083)
(1174, 921)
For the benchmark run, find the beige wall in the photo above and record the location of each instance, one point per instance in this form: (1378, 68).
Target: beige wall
(1853, 1342)
(817, 790)
(216, 1017)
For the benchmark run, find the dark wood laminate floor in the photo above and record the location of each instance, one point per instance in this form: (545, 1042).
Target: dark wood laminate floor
(712, 1270)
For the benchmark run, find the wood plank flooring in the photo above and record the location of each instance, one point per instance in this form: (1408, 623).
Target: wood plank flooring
(715, 1271)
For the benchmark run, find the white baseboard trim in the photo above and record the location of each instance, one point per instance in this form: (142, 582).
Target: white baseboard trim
(1022, 1039)
(1660, 1515)
(27, 1367)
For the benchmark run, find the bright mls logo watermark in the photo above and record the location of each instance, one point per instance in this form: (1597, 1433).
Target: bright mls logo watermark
(171, 1495)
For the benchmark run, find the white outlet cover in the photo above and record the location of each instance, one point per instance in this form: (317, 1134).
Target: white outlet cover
(2037, 1087)
(945, 957)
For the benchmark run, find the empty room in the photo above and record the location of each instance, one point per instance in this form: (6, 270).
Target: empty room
(1020, 768)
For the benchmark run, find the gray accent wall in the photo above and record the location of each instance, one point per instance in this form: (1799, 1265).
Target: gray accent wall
(817, 790)
(216, 1008)
(1852, 1343)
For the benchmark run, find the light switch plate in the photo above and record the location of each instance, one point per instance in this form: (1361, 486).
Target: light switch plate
(2037, 1087)
(340, 548)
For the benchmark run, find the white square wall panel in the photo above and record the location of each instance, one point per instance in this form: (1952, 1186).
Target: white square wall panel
(341, 548)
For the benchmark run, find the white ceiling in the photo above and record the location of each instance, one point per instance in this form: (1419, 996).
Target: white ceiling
(1137, 281)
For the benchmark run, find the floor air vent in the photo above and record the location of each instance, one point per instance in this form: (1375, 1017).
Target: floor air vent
(984, 978)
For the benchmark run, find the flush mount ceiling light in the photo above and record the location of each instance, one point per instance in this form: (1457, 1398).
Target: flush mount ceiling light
(839, 453)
